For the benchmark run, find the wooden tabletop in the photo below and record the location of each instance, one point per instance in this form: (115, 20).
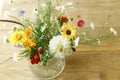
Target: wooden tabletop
(101, 62)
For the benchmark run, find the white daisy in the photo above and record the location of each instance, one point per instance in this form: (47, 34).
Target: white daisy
(16, 57)
(112, 30)
(59, 46)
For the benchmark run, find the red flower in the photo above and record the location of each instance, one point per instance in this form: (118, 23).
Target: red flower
(35, 59)
(81, 23)
(62, 19)
(40, 50)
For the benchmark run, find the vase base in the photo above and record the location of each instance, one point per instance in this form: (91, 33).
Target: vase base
(53, 69)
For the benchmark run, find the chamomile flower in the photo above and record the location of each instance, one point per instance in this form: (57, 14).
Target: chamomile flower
(16, 57)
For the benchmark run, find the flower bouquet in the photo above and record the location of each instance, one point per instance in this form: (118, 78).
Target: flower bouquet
(48, 38)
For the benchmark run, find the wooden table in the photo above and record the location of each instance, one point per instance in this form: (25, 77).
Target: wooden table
(88, 63)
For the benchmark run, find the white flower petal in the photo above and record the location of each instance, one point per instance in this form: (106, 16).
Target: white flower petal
(98, 41)
(43, 5)
(112, 30)
(57, 8)
(59, 46)
(76, 41)
(92, 25)
(69, 3)
(4, 39)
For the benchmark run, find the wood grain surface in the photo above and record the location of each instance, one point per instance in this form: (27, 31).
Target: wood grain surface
(88, 63)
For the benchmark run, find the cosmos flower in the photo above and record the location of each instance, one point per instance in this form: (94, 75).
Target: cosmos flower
(81, 23)
(59, 46)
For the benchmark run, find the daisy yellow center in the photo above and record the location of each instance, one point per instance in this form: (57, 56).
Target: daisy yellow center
(18, 36)
(68, 32)
(61, 48)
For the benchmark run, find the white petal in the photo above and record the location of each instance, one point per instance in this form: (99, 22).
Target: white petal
(70, 3)
(43, 5)
(4, 39)
(57, 8)
(112, 30)
(76, 41)
(98, 41)
(92, 25)
(16, 57)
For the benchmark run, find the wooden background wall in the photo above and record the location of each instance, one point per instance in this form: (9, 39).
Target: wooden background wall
(88, 63)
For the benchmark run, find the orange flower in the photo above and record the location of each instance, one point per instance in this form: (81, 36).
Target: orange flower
(29, 44)
(28, 32)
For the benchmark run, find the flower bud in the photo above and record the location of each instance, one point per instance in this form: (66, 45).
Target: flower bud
(40, 50)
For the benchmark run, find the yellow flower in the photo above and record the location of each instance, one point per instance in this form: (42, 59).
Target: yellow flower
(18, 37)
(29, 43)
(68, 31)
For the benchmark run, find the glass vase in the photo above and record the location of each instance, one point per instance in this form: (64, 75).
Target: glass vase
(53, 68)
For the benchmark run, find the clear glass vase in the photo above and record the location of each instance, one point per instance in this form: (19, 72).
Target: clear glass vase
(54, 68)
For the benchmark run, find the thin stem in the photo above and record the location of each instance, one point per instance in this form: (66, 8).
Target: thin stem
(11, 21)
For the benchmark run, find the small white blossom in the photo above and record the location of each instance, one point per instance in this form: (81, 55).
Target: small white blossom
(57, 8)
(16, 57)
(4, 39)
(98, 41)
(112, 30)
(92, 25)
(106, 23)
(44, 27)
(6, 13)
(43, 5)
(34, 11)
(76, 41)
(60, 8)
(10, 1)
(69, 3)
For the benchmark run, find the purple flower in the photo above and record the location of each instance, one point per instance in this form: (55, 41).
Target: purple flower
(21, 12)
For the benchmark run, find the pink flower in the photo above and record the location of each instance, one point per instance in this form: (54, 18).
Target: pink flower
(81, 23)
